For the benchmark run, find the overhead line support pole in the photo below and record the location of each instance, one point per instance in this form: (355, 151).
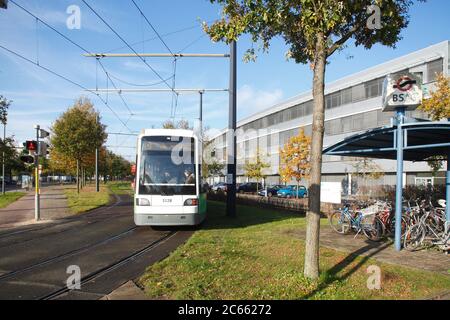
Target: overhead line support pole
(231, 135)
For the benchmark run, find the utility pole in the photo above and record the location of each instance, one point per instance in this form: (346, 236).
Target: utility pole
(37, 211)
(231, 136)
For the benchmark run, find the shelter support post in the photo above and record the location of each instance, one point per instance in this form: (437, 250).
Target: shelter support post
(399, 187)
(447, 193)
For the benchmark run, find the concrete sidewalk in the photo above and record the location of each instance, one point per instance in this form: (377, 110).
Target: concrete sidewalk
(53, 206)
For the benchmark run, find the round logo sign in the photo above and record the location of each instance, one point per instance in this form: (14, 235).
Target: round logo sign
(404, 83)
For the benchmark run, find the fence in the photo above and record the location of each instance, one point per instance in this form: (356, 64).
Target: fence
(297, 205)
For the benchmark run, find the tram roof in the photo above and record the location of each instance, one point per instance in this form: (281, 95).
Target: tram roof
(423, 139)
(167, 132)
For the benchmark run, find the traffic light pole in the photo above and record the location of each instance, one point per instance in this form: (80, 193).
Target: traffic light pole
(37, 211)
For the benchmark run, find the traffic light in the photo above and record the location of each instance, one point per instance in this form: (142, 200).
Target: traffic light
(27, 158)
(43, 148)
(31, 145)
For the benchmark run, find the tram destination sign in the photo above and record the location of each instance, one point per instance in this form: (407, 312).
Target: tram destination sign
(402, 91)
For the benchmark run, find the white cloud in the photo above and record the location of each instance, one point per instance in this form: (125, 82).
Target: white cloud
(252, 100)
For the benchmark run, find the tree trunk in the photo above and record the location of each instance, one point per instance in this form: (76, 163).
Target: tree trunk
(313, 216)
(78, 176)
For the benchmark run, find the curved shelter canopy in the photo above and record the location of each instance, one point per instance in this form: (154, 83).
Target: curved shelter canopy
(421, 141)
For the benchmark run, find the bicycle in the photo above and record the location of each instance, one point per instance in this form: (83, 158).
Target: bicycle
(427, 228)
(345, 220)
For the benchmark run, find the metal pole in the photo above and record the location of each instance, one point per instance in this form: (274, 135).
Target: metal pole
(201, 107)
(157, 55)
(3, 162)
(399, 188)
(141, 90)
(97, 185)
(231, 136)
(37, 212)
(447, 193)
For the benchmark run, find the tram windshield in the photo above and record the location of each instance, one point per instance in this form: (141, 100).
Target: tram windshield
(167, 166)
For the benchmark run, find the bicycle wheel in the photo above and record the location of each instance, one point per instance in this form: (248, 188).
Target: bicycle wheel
(404, 226)
(339, 222)
(374, 231)
(414, 237)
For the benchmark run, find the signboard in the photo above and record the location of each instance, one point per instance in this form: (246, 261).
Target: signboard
(330, 192)
(402, 91)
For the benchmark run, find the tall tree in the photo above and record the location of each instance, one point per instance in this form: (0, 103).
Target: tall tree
(77, 133)
(313, 30)
(295, 158)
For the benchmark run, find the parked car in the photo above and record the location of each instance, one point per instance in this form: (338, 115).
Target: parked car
(249, 187)
(291, 191)
(271, 190)
(220, 186)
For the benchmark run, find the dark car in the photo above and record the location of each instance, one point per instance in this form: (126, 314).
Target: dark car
(249, 187)
(270, 191)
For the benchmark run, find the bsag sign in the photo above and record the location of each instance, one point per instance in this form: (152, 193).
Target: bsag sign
(403, 90)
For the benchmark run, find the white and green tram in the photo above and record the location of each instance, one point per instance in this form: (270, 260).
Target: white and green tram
(168, 186)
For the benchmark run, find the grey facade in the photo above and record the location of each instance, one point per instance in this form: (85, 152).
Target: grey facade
(353, 104)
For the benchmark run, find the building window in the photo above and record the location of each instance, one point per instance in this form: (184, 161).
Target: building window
(434, 68)
(346, 96)
(373, 88)
(358, 93)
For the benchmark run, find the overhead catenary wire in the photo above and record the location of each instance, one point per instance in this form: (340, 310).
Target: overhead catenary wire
(138, 84)
(174, 102)
(66, 79)
(73, 43)
(127, 44)
(188, 28)
(151, 26)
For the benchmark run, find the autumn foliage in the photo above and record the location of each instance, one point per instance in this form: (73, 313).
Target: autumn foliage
(294, 158)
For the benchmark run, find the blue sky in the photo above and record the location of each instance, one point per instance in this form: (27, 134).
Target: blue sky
(39, 97)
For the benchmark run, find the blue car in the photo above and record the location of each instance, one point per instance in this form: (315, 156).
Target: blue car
(291, 191)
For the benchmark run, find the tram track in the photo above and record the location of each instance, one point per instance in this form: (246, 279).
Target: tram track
(64, 221)
(111, 267)
(66, 255)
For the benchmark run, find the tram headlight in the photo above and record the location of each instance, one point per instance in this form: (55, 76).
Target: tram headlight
(191, 202)
(142, 202)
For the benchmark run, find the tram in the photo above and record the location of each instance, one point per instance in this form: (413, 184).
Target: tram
(168, 185)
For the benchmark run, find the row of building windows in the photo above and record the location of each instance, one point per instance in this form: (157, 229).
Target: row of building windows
(367, 90)
(360, 92)
(353, 123)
